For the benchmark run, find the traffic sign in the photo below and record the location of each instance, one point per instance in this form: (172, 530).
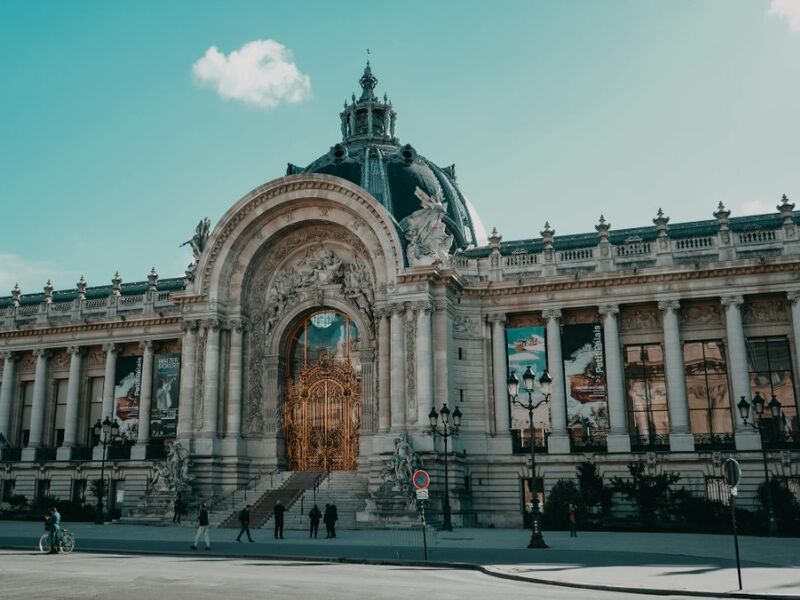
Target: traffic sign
(421, 479)
(422, 494)
(732, 472)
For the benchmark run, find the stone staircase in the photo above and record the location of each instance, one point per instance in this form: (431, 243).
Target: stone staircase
(342, 488)
(220, 510)
(291, 490)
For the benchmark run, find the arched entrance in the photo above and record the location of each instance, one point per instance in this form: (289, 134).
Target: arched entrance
(322, 411)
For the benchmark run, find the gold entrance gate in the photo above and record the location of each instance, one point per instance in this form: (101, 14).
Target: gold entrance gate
(322, 416)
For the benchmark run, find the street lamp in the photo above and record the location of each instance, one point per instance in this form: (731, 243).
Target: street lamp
(105, 433)
(546, 385)
(774, 407)
(447, 429)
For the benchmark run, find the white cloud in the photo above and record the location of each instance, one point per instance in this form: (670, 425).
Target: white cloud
(31, 275)
(754, 207)
(261, 73)
(786, 9)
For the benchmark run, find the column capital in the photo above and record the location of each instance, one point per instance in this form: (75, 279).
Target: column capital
(667, 305)
(396, 308)
(212, 324)
(551, 313)
(9, 355)
(42, 352)
(238, 325)
(496, 317)
(728, 301)
(76, 350)
(381, 312)
(110, 348)
(608, 310)
(147, 345)
(190, 325)
(793, 296)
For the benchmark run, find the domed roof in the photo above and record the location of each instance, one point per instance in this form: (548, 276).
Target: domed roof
(370, 156)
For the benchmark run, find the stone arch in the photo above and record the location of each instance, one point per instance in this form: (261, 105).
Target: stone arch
(272, 208)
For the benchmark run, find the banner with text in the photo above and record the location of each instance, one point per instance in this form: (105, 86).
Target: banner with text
(164, 412)
(585, 377)
(526, 347)
(127, 392)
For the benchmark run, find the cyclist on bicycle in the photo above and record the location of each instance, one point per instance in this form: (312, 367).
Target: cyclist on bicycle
(54, 523)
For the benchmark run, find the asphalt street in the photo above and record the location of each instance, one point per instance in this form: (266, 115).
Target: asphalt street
(29, 575)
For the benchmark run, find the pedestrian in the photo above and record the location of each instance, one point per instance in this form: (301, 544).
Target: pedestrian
(177, 510)
(202, 527)
(244, 519)
(573, 520)
(54, 526)
(278, 511)
(330, 519)
(314, 516)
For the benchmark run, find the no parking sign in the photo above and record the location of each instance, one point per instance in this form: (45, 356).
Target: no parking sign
(421, 479)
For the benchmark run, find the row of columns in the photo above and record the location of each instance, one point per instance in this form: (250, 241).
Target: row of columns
(40, 385)
(681, 438)
(394, 404)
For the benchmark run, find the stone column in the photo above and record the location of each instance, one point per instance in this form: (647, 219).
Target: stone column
(398, 390)
(412, 400)
(680, 437)
(384, 371)
(618, 439)
(188, 363)
(233, 424)
(108, 381)
(558, 442)
(73, 399)
(146, 398)
(502, 409)
(441, 343)
(794, 299)
(39, 404)
(746, 437)
(424, 365)
(7, 392)
(211, 381)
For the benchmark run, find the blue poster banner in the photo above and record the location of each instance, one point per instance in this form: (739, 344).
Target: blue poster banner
(527, 347)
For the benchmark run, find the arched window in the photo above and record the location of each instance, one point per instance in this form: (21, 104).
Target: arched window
(325, 331)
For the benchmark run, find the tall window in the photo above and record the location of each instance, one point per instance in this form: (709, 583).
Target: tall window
(324, 332)
(27, 407)
(60, 416)
(95, 405)
(707, 387)
(771, 375)
(648, 414)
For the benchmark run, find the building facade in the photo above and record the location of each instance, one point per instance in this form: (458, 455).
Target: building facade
(331, 310)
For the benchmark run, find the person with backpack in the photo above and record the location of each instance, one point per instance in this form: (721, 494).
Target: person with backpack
(244, 520)
(202, 527)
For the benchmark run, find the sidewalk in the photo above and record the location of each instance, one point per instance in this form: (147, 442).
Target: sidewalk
(658, 563)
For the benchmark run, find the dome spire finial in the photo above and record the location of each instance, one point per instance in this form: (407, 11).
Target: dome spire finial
(368, 83)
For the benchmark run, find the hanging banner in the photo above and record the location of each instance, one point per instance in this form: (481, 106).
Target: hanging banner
(127, 392)
(164, 411)
(585, 376)
(526, 347)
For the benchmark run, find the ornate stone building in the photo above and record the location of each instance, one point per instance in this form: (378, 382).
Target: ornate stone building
(329, 311)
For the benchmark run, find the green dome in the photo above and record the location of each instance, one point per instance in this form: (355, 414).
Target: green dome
(370, 156)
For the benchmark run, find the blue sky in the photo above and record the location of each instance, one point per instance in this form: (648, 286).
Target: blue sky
(111, 150)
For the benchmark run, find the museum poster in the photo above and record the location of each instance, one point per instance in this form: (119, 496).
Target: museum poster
(526, 347)
(127, 392)
(585, 377)
(164, 410)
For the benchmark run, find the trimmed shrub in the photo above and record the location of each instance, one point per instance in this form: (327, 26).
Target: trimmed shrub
(556, 505)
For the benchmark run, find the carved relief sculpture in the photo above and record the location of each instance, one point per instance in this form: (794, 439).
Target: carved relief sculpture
(424, 229)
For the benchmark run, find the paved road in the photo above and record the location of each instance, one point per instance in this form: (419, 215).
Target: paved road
(29, 576)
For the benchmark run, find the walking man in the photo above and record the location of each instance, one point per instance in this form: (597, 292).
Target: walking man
(573, 520)
(244, 519)
(202, 528)
(278, 511)
(314, 516)
(177, 509)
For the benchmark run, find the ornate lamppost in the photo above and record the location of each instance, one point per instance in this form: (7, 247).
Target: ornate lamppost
(546, 384)
(447, 429)
(766, 436)
(105, 433)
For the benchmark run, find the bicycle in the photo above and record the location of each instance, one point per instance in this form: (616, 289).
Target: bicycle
(66, 546)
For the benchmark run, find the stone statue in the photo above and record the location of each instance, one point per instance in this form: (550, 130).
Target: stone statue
(386, 121)
(172, 474)
(424, 229)
(199, 239)
(398, 470)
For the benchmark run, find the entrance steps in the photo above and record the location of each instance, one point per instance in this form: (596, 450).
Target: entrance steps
(342, 488)
(223, 508)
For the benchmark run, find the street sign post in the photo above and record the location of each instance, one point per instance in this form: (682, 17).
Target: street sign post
(421, 479)
(422, 494)
(732, 473)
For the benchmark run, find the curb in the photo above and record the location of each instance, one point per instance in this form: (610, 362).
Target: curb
(490, 571)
